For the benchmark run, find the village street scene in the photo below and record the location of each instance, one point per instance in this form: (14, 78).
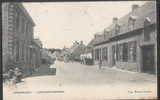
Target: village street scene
(48, 54)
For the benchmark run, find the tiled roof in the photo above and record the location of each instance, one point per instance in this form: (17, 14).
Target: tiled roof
(94, 41)
(91, 43)
(98, 39)
(148, 10)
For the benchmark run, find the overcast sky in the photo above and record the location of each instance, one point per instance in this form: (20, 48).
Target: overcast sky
(58, 24)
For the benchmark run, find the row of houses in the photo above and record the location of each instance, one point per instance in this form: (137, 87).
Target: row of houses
(20, 48)
(70, 54)
(129, 43)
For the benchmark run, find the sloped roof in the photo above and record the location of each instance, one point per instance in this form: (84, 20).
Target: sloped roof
(91, 43)
(96, 40)
(148, 10)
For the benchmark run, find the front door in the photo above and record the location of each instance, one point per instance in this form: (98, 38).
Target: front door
(148, 64)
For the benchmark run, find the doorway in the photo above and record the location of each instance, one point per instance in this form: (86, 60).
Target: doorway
(148, 59)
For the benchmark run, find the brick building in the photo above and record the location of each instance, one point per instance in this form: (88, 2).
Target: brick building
(130, 42)
(17, 37)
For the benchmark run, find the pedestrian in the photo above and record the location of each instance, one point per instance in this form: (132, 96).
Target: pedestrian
(10, 73)
(18, 74)
(100, 64)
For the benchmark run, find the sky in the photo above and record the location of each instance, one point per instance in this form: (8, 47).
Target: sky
(59, 24)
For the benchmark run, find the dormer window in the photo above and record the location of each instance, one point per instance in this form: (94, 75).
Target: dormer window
(17, 20)
(115, 25)
(117, 28)
(131, 22)
(106, 32)
(147, 21)
(147, 30)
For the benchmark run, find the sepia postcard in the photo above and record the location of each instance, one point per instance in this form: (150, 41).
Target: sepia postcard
(94, 50)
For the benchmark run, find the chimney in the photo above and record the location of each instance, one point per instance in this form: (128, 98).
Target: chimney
(97, 35)
(115, 20)
(134, 7)
(106, 31)
(81, 42)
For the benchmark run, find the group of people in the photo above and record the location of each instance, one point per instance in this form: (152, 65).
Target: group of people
(15, 75)
(87, 61)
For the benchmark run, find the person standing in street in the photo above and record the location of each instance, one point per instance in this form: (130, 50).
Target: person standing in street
(18, 74)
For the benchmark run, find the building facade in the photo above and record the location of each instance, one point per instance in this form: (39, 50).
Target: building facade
(36, 54)
(87, 54)
(17, 37)
(76, 50)
(131, 42)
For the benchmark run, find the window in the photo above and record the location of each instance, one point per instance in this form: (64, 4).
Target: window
(100, 53)
(17, 51)
(30, 56)
(27, 55)
(23, 25)
(97, 54)
(132, 51)
(147, 30)
(120, 52)
(117, 28)
(147, 34)
(27, 30)
(117, 52)
(23, 52)
(125, 51)
(131, 23)
(105, 53)
(17, 19)
(31, 31)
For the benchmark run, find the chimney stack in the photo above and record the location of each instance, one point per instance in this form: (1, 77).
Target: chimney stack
(134, 7)
(97, 35)
(106, 31)
(115, 20)
(81, 42)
